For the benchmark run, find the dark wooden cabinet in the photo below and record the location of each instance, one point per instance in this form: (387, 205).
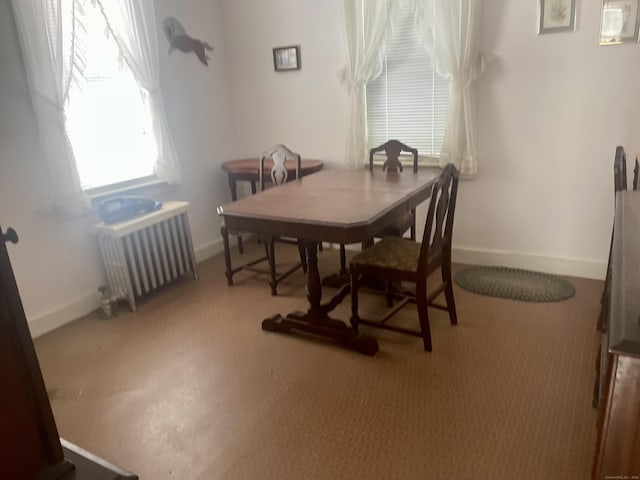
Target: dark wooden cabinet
(30, 447)
(618, 383)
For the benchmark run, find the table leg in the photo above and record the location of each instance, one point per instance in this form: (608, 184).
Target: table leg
(233, 184)
(316, 320)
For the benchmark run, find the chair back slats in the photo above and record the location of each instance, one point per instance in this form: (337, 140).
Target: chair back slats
(439, 224)
(620, 170)
(393, 149)
(438, 237)
(279, 173)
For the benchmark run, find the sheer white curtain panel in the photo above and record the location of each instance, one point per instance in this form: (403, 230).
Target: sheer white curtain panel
(44, 31)
(451, 33)
(366, 23)
(133, 25)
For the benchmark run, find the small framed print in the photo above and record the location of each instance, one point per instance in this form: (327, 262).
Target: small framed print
(286, 58)
(556, 16)
(619, 22)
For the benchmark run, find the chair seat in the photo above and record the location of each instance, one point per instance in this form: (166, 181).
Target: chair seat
(396, 254)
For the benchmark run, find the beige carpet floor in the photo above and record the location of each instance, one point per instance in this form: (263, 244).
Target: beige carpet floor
(190, 387)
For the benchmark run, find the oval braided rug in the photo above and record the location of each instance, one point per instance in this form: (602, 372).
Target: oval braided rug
(515, 284)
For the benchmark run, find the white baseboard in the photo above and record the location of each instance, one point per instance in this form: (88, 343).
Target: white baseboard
(86, 304)
(208, 250)
(573, 267)
(53, 319)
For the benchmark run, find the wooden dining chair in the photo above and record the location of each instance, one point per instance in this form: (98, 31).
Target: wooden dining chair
(619, 184)
(620, 170)
(392, 149)
(273, 175)
(401, 259)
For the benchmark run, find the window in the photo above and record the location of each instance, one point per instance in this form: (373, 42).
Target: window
(108, 118)
(409, 100)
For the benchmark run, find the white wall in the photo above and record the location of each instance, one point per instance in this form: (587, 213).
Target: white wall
(304, 109)
(198, 102)
(56, 263)
(550, 110)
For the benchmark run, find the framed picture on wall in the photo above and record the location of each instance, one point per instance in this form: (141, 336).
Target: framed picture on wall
(286, 58)
(556, 16)
(619, 22)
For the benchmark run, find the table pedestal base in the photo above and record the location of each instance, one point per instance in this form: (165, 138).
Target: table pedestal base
(332, 329)
(316, 320)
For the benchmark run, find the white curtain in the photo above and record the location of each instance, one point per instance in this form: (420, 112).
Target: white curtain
(133, 25)
(47, 60)
(451, 30)
(366, 23)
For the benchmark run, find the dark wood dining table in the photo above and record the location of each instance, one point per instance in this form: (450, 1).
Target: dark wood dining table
(340, 206)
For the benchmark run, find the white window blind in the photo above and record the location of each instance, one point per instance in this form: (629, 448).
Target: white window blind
(408, 101)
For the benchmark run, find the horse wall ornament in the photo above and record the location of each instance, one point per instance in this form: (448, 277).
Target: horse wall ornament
(178, 38)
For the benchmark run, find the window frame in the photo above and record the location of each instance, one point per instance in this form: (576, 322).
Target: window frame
(130, 184)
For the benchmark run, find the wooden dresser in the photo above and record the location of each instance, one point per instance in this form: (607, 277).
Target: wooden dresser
(618, 383)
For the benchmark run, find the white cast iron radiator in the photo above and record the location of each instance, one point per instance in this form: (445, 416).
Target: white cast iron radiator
(147, 252)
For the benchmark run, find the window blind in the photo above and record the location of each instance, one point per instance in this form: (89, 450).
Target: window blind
(408, 101)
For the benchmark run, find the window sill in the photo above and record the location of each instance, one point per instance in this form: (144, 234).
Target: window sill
(408, 165)
(424, 161)
(148, 188)
(156, 189)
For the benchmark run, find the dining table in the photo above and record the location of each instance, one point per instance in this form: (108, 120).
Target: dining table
(339, 206)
